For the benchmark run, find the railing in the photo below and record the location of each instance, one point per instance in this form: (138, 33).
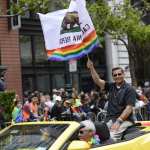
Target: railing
(145, 114)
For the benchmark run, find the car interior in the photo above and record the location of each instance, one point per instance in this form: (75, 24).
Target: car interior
(130, 133)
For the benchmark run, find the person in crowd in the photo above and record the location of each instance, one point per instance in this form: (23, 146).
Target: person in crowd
(141, 101)
(41, 105)
(67, 105)
(17, 98)
(74, 95)
(85, 104)
(121, 100)
(55, 93)
(34, 107)
(67, 111)
(89, 114)
(46, 114)
(146, 88)
(87, 133)
(63, 94)
(48, 102)
(26, 113)
(57, 109)
(102, 102)
(17, 111)
(94, 101)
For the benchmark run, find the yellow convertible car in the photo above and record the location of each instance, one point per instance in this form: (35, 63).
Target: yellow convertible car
(58, 135)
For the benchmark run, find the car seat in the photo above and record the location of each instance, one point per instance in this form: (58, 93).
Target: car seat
(102, 131)
(132, 132)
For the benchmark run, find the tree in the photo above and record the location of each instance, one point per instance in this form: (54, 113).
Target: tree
(121, 21)
(124, 20)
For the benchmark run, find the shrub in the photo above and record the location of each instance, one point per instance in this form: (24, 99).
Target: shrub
(6, 102)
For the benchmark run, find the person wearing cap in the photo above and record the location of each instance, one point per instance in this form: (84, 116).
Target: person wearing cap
(87, 133)
(55, 94)
(57, 109)
(67, 105)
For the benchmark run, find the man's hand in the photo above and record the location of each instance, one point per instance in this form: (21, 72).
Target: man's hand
(95, 76)
(115, 126)
(89, 64)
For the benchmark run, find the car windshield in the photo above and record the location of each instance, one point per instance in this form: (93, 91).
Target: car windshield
(35, 137)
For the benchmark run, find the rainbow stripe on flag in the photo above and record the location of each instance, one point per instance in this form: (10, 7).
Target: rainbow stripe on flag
(75, 51)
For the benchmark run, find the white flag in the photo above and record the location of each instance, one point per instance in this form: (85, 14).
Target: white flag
(69, 33)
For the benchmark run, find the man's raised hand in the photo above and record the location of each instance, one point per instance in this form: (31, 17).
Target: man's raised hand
(89, 64)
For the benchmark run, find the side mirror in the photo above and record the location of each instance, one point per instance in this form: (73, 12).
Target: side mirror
(79, 145)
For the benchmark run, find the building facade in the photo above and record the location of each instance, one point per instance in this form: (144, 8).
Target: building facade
(23, 52)
(10, 53)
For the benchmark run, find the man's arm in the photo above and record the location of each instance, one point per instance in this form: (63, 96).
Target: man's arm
(95, 76)
(127, 111)
(130, 98)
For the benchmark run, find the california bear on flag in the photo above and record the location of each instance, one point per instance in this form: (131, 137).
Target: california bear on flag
(69, 33)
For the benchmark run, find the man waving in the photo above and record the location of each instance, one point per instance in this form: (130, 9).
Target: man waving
(121, 100)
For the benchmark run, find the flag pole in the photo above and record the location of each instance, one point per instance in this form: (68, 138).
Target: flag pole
(87, 56)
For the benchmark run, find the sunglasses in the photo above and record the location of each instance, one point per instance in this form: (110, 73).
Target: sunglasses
(117, 74)
(84, 131)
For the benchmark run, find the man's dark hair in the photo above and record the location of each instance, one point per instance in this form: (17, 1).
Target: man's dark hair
(117, 68)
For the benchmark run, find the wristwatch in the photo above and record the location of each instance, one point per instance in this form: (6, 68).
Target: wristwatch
(119, 120)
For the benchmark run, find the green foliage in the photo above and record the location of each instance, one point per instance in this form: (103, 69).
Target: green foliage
(99, 12)
(36, 6)
(29, 5)
(6, 102)
(119, 21)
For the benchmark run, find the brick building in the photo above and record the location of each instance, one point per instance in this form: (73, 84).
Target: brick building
(10, 54)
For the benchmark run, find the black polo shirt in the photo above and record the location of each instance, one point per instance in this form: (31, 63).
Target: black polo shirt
(118, 99)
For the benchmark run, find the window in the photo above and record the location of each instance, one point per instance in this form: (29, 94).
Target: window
(28, 83)
(58, 81)
(43, 83)
(39, 49)
(26, 53)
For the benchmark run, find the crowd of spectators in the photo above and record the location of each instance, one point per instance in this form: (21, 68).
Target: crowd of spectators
(41, 106)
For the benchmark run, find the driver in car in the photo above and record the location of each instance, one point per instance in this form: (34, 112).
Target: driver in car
(87, 133)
